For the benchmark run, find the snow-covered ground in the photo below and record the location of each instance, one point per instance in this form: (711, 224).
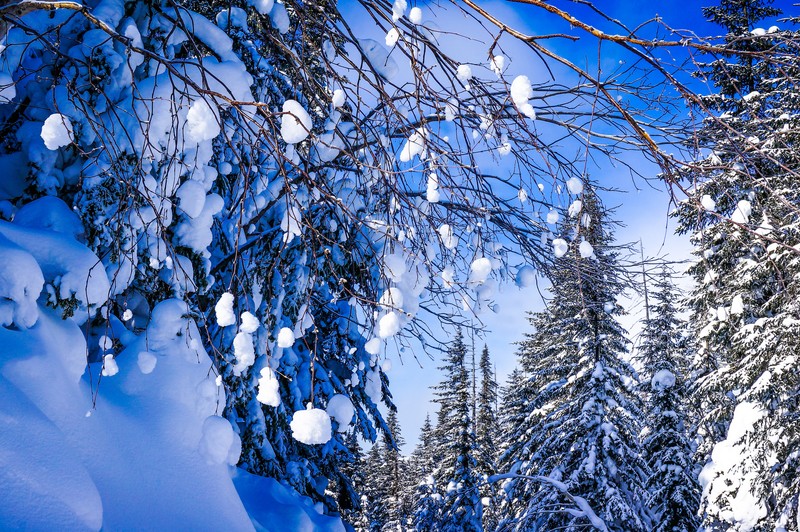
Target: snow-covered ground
(133, 442)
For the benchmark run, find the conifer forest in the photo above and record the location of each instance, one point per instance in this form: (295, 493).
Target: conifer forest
(400, 265)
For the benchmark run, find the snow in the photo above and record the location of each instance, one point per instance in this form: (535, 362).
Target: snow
(392, 36)
(708, 203)
(372, 386)
(249, 323)
(392, 298)
(389, 325)
(295, 122)
(262, 6)
(290, 224)
(737, 305)
(730, 471)
(280, 18)
(244, 351)
(268, 388)
(105, 343)
(394, 266)
(373, 346)
(464, 73)
(479, 270)
(552, 216)
(311, 426)
(415, 15)
(560, 247)
(432, 193)
(52, 214)
(575, 185)
(191, 198)
(521, 92)
(585, 249)
(662, 380)
(110, 367)
(449, 241)
(285, 337)
(742, 213)
(414, 146)
(202, 123)
(526, 276)
(21, 282)
(273, 506)
(338, 98)
(522, 195)
(398, 9)
(498, 64)
(219, 444)
(70, 267)
(575, 208)
(57, 131)
(73, 472)
(146, 362)
(341, 409)
(224, 310)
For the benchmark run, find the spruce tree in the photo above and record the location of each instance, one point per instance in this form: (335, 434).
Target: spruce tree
(424, 497)
(674, 492)
(582, 429)
(487, 434)
(396, 504)
(455, 445)
(743, 217)
(354, 471)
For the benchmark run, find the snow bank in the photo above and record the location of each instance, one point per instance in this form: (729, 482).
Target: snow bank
(145, 448)
(275, 507)
(73, 269)
(21, 281)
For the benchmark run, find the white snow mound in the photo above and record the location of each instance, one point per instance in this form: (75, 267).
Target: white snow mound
(311, 426)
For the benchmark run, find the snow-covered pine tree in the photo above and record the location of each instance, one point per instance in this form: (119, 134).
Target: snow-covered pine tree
(587, 419)
(353, 512)
(375, 490)
(674, 497)
(487, 434)
(395, 501)
(721, 205)
(424, 494)
(455, 450)
(743, 215)
(511, 415)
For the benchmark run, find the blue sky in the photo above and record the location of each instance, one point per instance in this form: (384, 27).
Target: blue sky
(643, 207)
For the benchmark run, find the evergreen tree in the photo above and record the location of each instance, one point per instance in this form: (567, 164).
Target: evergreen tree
(425, 498)
(375, 490)
(455, 445)
(582, 428)
(396, 503)
(487, 433)
(743, 217)
(674, 492)
(353, 470)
